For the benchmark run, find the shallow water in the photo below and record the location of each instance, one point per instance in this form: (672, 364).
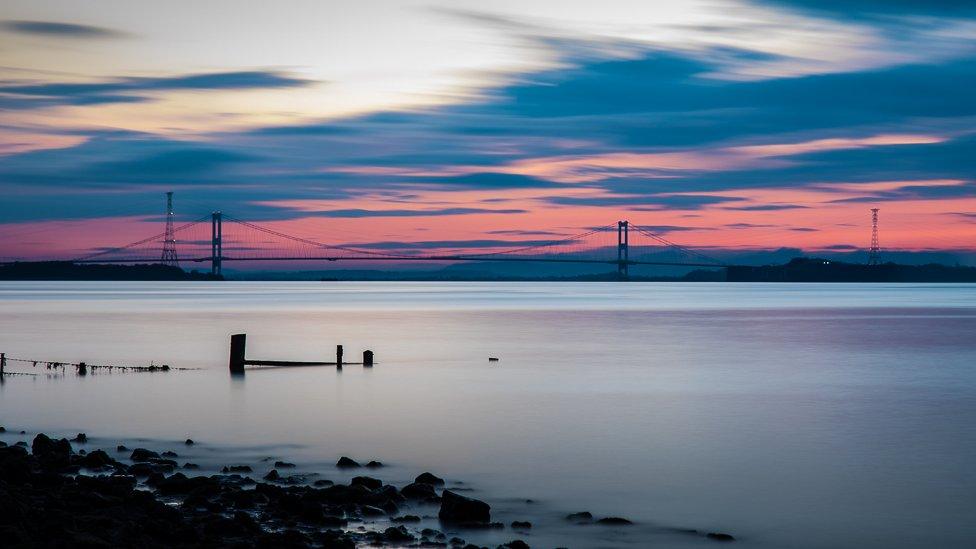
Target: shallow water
(788, 415)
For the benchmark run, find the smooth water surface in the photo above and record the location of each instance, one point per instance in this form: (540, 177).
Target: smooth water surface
(788, 415)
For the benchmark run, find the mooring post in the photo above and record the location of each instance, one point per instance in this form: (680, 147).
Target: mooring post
(3, 363)
(339, 356)
(368, 358)
(237, 345)
(82, 369)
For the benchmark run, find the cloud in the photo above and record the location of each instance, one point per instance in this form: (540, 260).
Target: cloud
(138, 89)
(450, 244)
(357, 212)
(57, 29)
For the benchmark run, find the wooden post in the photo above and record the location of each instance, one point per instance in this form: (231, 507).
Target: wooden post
(368, 358)
(237, 345)
(82, 369)
(339, 356)
(3, 362)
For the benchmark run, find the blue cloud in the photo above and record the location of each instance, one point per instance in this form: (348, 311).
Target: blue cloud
(132, 89)
(57, 29)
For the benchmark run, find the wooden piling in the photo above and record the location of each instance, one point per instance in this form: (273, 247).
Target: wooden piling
(3, 363)
(339, 356)
(82, 369)
(368, 359)
(237, 346)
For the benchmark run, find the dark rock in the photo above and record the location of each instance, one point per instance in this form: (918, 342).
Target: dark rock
(80, 437)
(516, 544)
(21, 443)
(419, 491)
(237, 469)
(614, 521)
(283, 465)
(718, 536)
(368, 482)
(52, 454)
(457, 541)
(406, 518)
(121, 449)
(397, 534)
(521, 524)
(2, 430)
(189, 465)
(582, 517)
(347, 463)
(272, 475)
(96, 460)
(189, 442)
(322, 482)
(141, 454)
(374, 465)
(169, 454)
(428, 478)
(457, 508)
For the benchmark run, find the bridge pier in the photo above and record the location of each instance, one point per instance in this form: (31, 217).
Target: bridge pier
(216, 243)
(623, 258)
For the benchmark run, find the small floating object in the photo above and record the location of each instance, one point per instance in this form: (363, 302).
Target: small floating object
(493, 359)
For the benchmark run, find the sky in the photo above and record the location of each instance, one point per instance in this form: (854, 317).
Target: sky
(732, 124)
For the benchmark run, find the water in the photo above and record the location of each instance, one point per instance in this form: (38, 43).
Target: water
(788, 415)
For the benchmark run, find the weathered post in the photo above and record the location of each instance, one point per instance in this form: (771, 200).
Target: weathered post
(237, 345)
(339, 356)
(368, 359)
(3, 363)
(82, 369)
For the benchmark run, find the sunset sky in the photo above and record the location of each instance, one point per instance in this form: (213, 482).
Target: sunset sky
(456, 124)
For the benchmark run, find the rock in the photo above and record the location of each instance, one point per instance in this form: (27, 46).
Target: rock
(419, 491)
(397, 534)
(322, 482)
(428, 478)
(189, 465)
(80, 437)
(718, 536)
(283, 465)
(347, 463)
(516, 544)
(95, 460)
(406, 518)
(456, 541)
(374, 465)
(614, 521)
(237, 469)
(52, 454)
(457, 508)
(368, 482)
(582, 517)
(189, 442)
(2, 430)
(371, 511)
(521, 524)
(141, 454)
(272, 475)
(169, 454)
(121, 448)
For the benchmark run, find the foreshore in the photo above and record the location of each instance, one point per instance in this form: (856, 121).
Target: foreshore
(59, 492)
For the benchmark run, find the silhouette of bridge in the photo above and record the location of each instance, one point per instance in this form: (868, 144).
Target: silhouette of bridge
(220, 238)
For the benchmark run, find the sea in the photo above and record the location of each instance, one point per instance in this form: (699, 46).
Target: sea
(786, 415)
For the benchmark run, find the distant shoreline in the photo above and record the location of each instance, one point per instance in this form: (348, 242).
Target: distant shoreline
(796, 270)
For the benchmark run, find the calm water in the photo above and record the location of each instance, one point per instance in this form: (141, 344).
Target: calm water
(788, 415)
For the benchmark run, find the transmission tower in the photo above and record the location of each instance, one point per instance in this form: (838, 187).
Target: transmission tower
(169, 240)
(874, 256)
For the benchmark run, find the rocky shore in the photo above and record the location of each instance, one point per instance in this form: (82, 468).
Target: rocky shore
(55, 495)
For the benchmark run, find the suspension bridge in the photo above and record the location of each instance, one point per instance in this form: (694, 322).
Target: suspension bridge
(220, 238)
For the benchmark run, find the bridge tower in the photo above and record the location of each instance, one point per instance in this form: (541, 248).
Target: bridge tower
(169, 239)
(216, 242)
(623, 258)
(874, 256)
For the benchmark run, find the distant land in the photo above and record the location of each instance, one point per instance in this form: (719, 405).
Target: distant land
(800, 269)
(66, 270)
